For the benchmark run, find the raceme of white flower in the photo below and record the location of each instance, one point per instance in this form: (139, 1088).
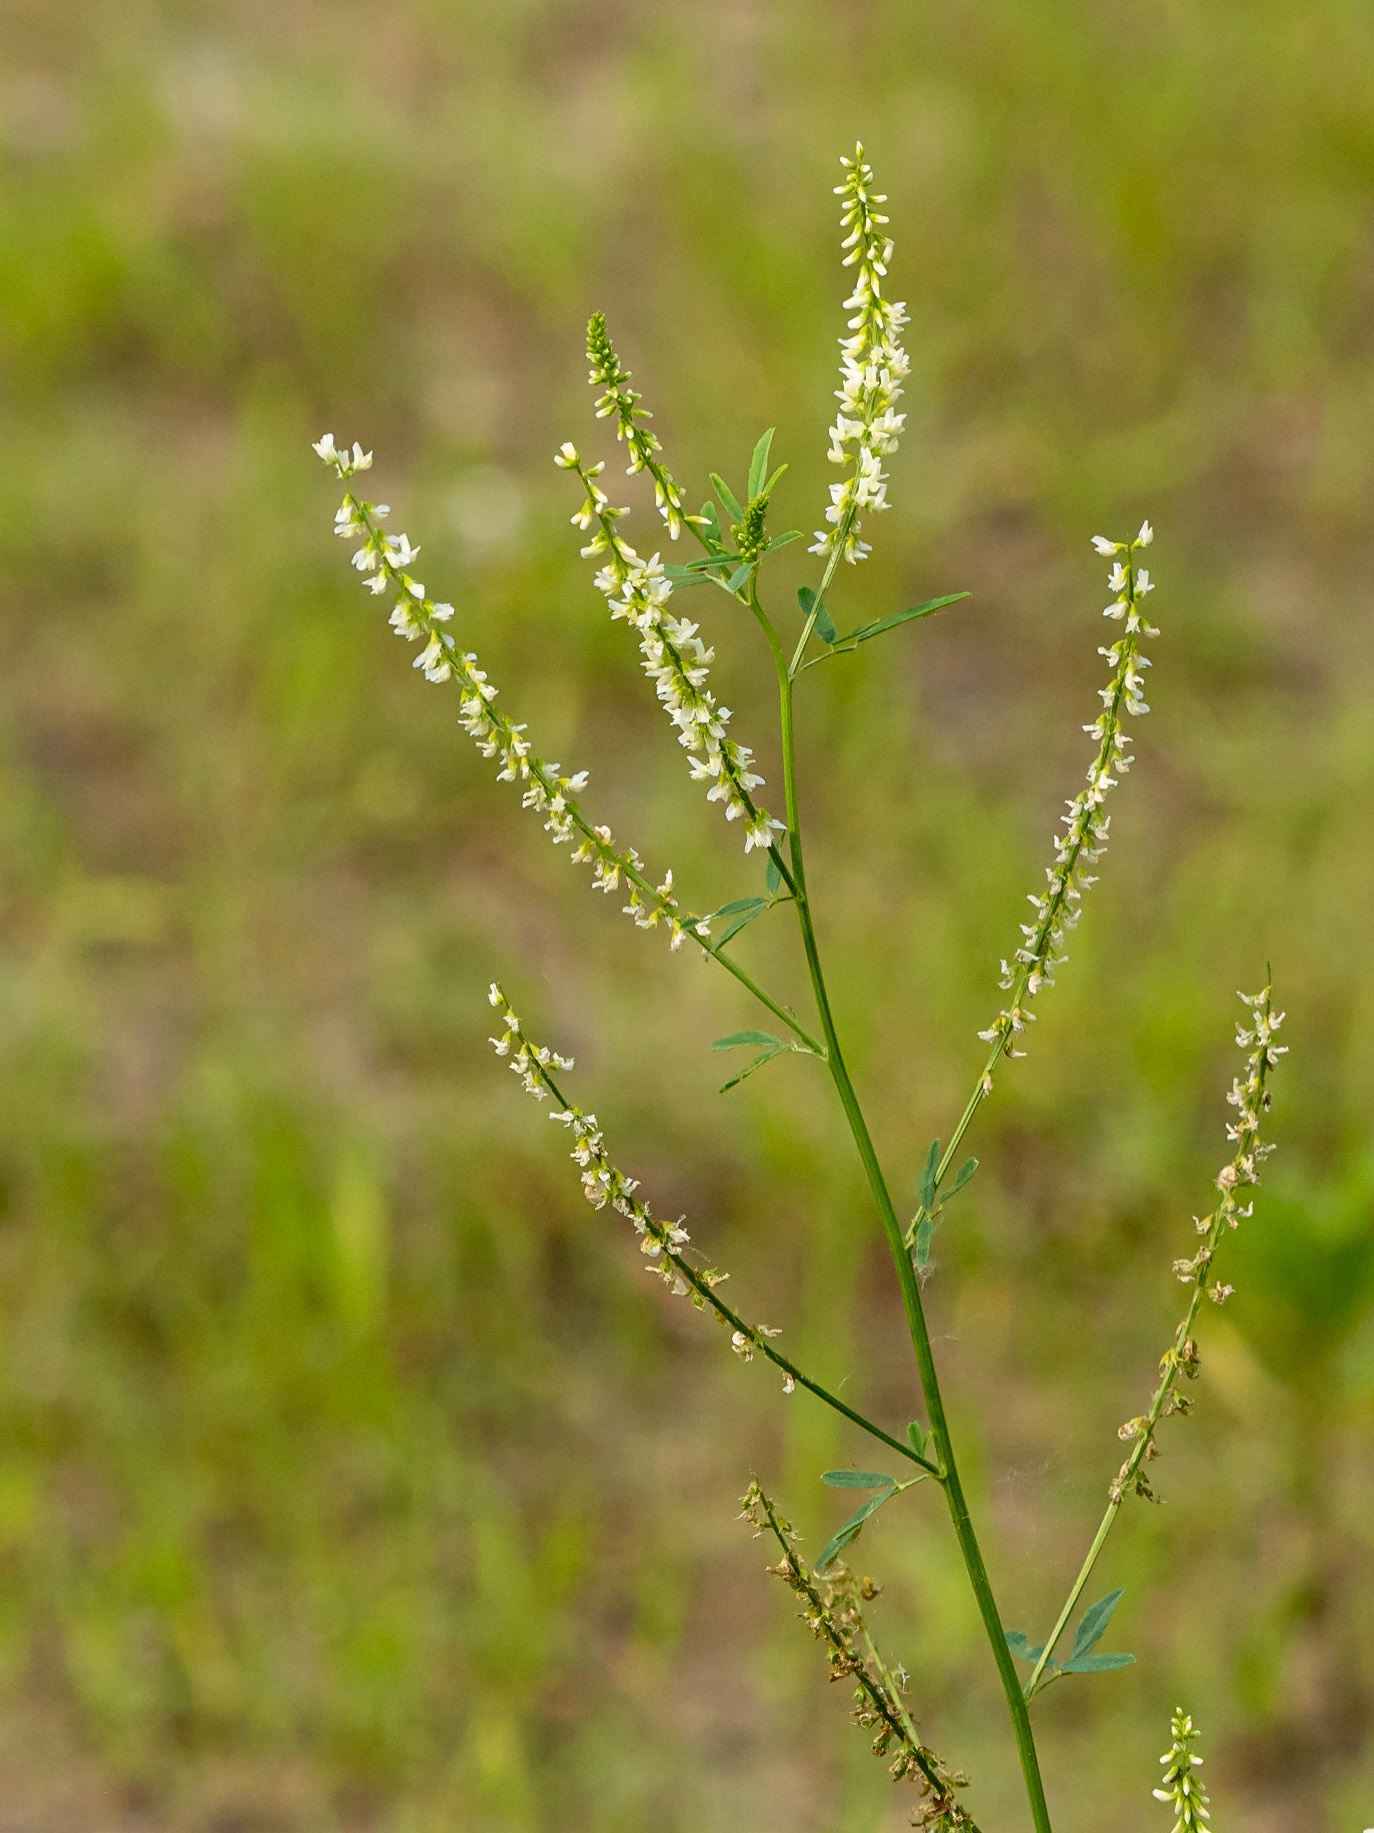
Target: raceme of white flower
(619, 399)
(1251, 1099)
(382, 560)
(675, 658)
(873, 367)
(1183, 1788)
(1085, 825)
(604, 1184)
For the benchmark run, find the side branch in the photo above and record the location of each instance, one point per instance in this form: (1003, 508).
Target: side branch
(1250, 1096)
(663, 1244)
(833, 1616)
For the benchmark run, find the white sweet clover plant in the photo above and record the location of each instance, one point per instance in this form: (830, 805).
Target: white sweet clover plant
(735, 545)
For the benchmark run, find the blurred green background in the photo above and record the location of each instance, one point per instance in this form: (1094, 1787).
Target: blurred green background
(352, 1476)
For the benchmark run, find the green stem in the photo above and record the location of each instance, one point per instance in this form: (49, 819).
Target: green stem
(701, 1285)
(1036, 1684)
(906, 1274)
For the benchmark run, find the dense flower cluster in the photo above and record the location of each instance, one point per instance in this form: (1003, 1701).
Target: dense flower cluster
(675, 658)
(1182, 1789)
(604, 1185)
(873, 367)
(831, 1610)
(1251, 1099)
(618, 399)
(1085, 825)
(383, 560)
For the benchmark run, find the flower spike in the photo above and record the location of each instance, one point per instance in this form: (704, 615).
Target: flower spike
(675, 658)
(1086, 827)
(873, 367)
(383, 561)
(1182, 1789)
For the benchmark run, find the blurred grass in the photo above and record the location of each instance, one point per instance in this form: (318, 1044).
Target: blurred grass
(348, 1475)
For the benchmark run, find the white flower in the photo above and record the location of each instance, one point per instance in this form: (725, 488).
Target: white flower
(873, 367)
(381, 560)
(1182, 1789)
(1085, 826)
(678, 663)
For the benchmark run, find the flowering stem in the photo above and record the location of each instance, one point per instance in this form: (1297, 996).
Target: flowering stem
(841, 534)
(906, 1273)
(703, 1287)
(876, 1688)
(1056, 910)
(1252, 1098)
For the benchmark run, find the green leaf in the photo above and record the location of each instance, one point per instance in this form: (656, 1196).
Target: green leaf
(712, 521)
(918, 1436)
(748, 1037)
(1097, 1664)
(758, 465)
(740, 903)
(685, 577)
(727, 498)
(866, 632)
(925, 1234)
(705, 561)
(1020, 1646)
(853, 1527)
(1095, 1619)
(850, 641)
(760, 905)
(772, 484)
(793, 534)
(771, 875)
(740, 574)
(825, 624)
(779, 1051)
(928, 1175)
(966, 1171)
(858, 1479)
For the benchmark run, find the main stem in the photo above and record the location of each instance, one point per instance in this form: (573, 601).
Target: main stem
(906, 1273)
